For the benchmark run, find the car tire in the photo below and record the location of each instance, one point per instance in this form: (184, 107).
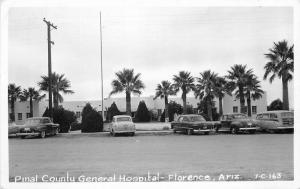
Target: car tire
(56, 131)
(206, 133)
(233, 130)
(174, 131)
(132, 134)
(22, 137)
(252, 132)
(189, 132)
(43, 134)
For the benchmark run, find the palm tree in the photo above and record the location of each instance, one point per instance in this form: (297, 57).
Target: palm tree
(252, 91)
(164, 90)
(221, 88)
(238, 77)
(14, 93)
(128, 82)
(205, 89)
(59, 84)
(31, 94)
(185, 82)
(281, 64)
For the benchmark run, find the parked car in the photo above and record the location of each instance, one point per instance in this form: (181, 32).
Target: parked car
(193, 123)
(276, 121)
(122, 124)
(13, 129)
(38, 126)
(236, 123)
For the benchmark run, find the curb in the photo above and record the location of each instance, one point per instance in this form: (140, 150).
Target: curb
(106, 133)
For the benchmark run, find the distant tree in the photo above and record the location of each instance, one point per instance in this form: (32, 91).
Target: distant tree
(203, 110)
(112, 111)
(281, 64)
(92, 121)
(221, 88)
(14, 93)
(238, 77)
(164, 90)
(205, 88)
(31, 94)
(60, 84)
(185, 82)
(128, 82)
(275, 105)
(142, 113)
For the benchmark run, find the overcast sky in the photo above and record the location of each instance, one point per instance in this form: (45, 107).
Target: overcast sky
(156, 42)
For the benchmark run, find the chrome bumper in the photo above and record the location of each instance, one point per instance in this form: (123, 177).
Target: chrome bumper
(27, 134)
(248, 128)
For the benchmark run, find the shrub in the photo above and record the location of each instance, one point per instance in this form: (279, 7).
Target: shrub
(172, 109)
(275, 105)
(112, 111)
(92, 121)
(63, 117)
(75, 126)
(142, 113)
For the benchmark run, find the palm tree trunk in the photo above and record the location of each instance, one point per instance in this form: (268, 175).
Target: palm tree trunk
(209, 109)
(285, 94)
(128, 103)
(55, 100)
(31, 107)
(184, 102)
(249, 103)
(220, 106)
(166, 109)
(242, 99)
(12, 107)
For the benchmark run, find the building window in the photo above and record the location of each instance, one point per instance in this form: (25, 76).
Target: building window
(235, 109)
(19, 116)
(78, 114)
(254, 109)
(28, 115)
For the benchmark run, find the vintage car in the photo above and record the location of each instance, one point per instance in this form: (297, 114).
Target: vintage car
(13, 129)
(193, 123)
(38, 126)
(236, 123)
(122, 124)
(276, 121)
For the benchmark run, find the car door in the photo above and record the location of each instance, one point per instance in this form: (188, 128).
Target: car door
(48, 125)
(265, 121)
(225, 122)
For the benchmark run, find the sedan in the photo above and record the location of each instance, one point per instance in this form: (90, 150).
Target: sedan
(122, 124)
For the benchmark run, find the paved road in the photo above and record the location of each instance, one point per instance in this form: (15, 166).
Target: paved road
(269, 155)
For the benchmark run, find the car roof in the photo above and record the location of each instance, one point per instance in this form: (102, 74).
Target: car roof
(38, 118)
(235, 114)
(275, 111)
(190, 115)
(116, 116)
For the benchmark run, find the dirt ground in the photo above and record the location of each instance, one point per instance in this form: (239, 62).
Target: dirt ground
(251, 157)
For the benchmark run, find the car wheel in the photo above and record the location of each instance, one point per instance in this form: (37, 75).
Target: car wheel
(22, 137)
(56, 131)
(252, 132)
(189, 132)
(233, 130)
(43, 134)
(132, 134)
(206, 133)
(174, 131)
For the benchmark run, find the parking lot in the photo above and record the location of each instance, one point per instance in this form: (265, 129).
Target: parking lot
(100, 155)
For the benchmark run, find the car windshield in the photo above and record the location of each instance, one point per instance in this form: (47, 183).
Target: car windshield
(287, 114)
(33, 121)
(197, 118)
(239, 116)
(123, 119)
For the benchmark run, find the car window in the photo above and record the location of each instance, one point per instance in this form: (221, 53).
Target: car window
(265, 116)
(185, 119)
(259, 116)
(239, 116)
(32, 122)
(273, 116)
(45, 121)
(287, 114)
(180, 119)
(123, 119)
(197, 118)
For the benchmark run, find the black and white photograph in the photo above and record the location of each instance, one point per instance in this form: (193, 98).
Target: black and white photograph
(168, 93)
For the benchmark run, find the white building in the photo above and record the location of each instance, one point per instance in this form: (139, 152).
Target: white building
(230, 105)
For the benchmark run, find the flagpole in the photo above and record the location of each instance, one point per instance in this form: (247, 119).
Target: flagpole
(101, 67)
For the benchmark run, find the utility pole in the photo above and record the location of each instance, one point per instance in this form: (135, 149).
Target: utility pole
(101, 67)
(49, 26)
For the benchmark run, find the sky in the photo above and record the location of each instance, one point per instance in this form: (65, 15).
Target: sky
(157, 42)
